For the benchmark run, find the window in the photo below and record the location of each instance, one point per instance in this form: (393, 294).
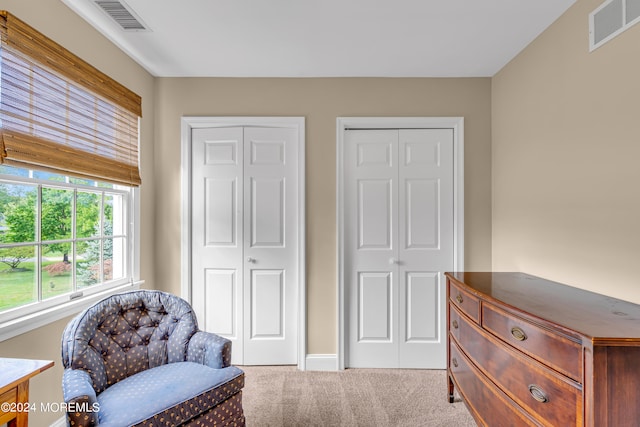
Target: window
(69, 172)
(61, 238)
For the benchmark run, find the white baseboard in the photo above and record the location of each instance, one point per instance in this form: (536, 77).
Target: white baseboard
(60, 422)
(321, 362)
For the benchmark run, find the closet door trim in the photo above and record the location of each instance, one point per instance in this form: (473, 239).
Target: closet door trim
(188, 123)
(345, 123)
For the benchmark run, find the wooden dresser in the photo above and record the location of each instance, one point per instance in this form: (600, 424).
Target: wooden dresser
(527, 351)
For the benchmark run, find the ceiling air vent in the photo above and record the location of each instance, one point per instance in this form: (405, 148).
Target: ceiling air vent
(610, 19)
(122, 14)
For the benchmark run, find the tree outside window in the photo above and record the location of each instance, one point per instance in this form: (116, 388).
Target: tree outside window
(58, 239)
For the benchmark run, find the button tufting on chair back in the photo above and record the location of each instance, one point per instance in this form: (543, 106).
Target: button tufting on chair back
(128, 333)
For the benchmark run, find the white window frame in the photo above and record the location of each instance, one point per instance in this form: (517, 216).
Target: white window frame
(24, 319)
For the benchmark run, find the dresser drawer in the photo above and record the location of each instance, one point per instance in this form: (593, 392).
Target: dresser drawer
(454, 322)
(464, 300)
(9, 397)
(552, 349)
(487, 402)
(549, 397)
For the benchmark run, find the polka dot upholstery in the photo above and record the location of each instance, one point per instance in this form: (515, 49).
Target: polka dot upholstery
(130, 338)
(210, 350)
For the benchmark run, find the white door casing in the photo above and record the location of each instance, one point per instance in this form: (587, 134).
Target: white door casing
(246, 242)
(400, 225)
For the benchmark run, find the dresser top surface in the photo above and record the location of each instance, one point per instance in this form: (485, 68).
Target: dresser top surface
(14, 371)
(593, 315)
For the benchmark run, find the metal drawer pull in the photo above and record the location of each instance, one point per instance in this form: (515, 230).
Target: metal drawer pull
(455, 324)
(459, 299)
(454, 361)
(538, 394)
(518, 333)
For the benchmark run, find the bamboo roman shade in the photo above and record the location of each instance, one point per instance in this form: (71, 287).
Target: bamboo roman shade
(59, 113)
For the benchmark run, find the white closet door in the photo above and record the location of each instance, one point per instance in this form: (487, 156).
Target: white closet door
(244, 240)
(399, 242)
(425, 246)
(270, 246)
(371, 224)
(217, 232)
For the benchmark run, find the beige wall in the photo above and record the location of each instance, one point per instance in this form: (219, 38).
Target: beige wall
(59, 23)
(566, 144)
(321, 101)
(165, 101)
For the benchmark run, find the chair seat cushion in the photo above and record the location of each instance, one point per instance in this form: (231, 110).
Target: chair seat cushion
(174, 392)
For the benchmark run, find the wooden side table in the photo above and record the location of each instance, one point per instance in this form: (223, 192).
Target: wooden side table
(14, 389)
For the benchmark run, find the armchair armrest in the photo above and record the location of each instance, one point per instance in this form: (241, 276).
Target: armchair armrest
(209, 349)
(80, 397)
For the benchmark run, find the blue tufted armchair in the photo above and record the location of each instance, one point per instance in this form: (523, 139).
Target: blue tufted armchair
(138, 359)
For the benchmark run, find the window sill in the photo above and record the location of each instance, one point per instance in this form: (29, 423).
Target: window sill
(42, 318)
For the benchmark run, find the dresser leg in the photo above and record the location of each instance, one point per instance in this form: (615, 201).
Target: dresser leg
(450, 389)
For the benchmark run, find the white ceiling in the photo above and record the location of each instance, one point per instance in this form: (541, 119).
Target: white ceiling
(327, 38)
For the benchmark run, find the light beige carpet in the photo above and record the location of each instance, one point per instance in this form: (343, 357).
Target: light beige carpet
(283, 396)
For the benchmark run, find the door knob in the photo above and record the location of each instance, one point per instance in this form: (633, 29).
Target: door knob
(249, 259)
(393, 261)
